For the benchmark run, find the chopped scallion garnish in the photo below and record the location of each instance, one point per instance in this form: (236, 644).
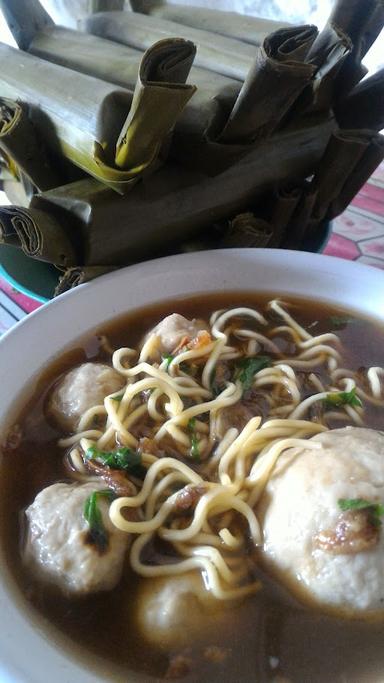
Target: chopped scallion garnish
(343, 398)
(122, 459)
(92, 514)
(247, 368)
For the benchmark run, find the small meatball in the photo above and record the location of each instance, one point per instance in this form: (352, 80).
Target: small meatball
(330, 556)
(59, 546)
(174, 609)
(173, 329)
(80, 389)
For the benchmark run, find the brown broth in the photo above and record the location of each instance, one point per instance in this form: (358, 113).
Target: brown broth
(271, 636)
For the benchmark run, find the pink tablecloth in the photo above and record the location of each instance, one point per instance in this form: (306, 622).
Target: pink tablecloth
(358, 235)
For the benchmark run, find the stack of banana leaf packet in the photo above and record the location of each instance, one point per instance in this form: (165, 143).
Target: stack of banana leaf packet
(160, 128)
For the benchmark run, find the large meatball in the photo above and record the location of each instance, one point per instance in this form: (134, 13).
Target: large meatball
(60, 548)
(174, 609)
(334, 556)
(81, 388)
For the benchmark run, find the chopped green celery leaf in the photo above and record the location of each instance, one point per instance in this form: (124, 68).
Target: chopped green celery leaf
(343, 398)
(195, 450)
(122, 459)
(94, 518)
(376, 510)
(246, 369)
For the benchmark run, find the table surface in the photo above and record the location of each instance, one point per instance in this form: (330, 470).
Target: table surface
(357, 235)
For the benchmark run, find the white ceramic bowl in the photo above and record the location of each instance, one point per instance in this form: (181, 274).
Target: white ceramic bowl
(27, 654)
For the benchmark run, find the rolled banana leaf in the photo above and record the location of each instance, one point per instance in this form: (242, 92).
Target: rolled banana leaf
(301, 223)
(362, 21)
(111, 134)
(25, 19)
(328, 53)
(248, 29)
(285, 201)
(343, 152)
(39, 234)
(349, 160)
(277, 78)
(22, 147)
(174, 204)
(355, 18)
(372, 28)
(364, 106)
(358, 176)
(208, 109)
(110, 61)
(77, 275)
(220, 54)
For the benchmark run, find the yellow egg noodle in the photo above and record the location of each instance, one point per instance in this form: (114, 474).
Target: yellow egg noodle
(175, 397)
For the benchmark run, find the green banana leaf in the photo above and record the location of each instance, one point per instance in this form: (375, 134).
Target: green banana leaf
(246, 28)
(84, 118)
(359, 176)
(223, 55)
(278, 77)
(175, 204)
(22, 148)
(362, 21)
(364, 106)
(119, 64)
(196, 141)
(39, 235)
(328, 53)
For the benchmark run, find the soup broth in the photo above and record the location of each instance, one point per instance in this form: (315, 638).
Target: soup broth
(272, 635)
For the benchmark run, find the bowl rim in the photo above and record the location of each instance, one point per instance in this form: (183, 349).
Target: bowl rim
(346, 284)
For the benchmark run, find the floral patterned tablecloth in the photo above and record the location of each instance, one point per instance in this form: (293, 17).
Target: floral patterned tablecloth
(357, 235)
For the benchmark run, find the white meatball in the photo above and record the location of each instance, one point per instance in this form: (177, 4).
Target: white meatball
(171, 330)
(80, 389)
(58, 545)
(332, 557)
(174, 609)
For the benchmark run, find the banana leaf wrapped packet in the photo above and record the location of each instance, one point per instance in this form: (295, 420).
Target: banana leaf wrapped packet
(275, 81)
(207, 110)
(39, 235)
(362, 22)
(349, 160)
(364, 105)
(226, 56)
(198, 141)
(249, 29)
(275, 74)
(169, 207)
(113, 134)
(21, 148)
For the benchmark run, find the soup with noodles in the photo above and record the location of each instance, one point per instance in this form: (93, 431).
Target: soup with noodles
(196, 492)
